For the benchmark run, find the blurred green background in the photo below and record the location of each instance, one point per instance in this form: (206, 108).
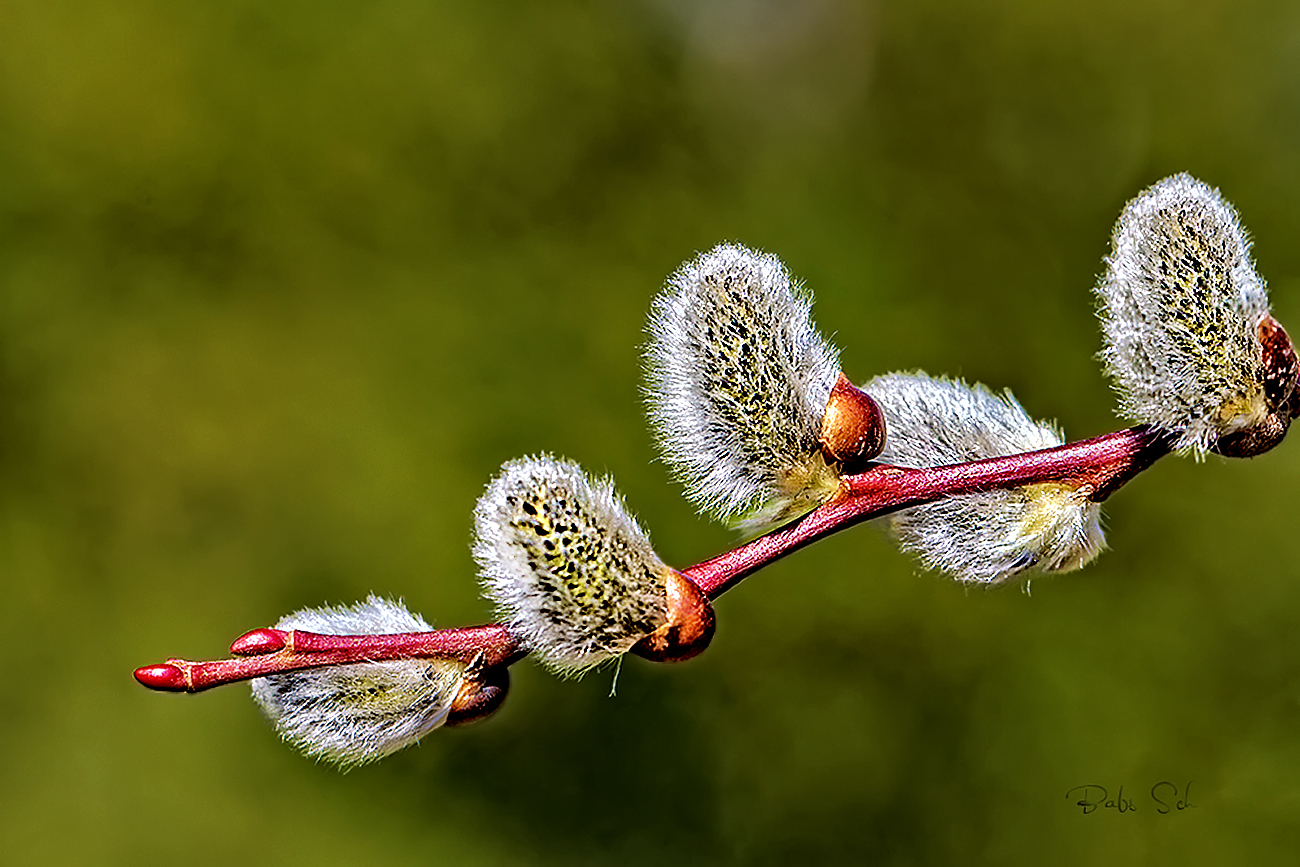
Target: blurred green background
(284, 284)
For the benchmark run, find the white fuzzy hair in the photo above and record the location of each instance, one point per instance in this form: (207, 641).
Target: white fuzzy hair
(358, 713)
(1179, 305)
(571, 572)
(986, 537)
(738, 380)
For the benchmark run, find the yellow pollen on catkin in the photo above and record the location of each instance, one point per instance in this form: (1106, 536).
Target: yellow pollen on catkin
(1243, 411)
(1046, 503)
(801, 487)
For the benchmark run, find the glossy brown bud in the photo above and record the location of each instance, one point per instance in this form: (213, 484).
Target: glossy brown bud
(479, 696)
(1280, 363)
(853, 427)
(1280, 392)
(689, 628)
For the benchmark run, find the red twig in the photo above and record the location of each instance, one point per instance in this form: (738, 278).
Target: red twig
(1097, 467)
(274, 651)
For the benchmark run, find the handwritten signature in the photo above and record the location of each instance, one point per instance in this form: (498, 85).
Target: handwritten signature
(1164, 794)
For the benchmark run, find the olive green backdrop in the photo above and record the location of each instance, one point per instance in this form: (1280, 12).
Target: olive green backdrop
(283, 284)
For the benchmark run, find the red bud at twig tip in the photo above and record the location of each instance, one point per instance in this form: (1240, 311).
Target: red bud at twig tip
(165, 678)
(258, 642)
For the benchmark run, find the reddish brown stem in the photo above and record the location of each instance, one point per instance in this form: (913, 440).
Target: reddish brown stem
(1098, 466)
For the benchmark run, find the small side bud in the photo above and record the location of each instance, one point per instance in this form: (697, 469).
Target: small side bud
(853, 428)
(987, 537)
(480, 696)
(358, 713)
(1280, 369)
(258, 642)
(1188, 339)
(738, 381)
(1280, 364)
(689, 627)
(571, 572)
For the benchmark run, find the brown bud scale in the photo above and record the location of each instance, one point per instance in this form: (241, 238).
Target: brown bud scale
(480, 696)
(853, 427)
(689, 628)
(1280, 363)
(1280, 391)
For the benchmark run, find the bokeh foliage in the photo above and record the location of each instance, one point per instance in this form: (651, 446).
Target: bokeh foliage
(284, 284)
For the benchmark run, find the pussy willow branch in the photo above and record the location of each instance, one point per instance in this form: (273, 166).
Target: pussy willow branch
(1096, 468)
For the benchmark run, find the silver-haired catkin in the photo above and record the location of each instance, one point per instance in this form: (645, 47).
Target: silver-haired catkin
(738, 379)
(1180, 309)
(984, 537)
(358, 713)
(571, 573)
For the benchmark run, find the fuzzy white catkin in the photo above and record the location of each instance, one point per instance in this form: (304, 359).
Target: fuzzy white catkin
(738, 380)
(985, 537)
(353, 714)
(1180, 305)
(571, 573)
